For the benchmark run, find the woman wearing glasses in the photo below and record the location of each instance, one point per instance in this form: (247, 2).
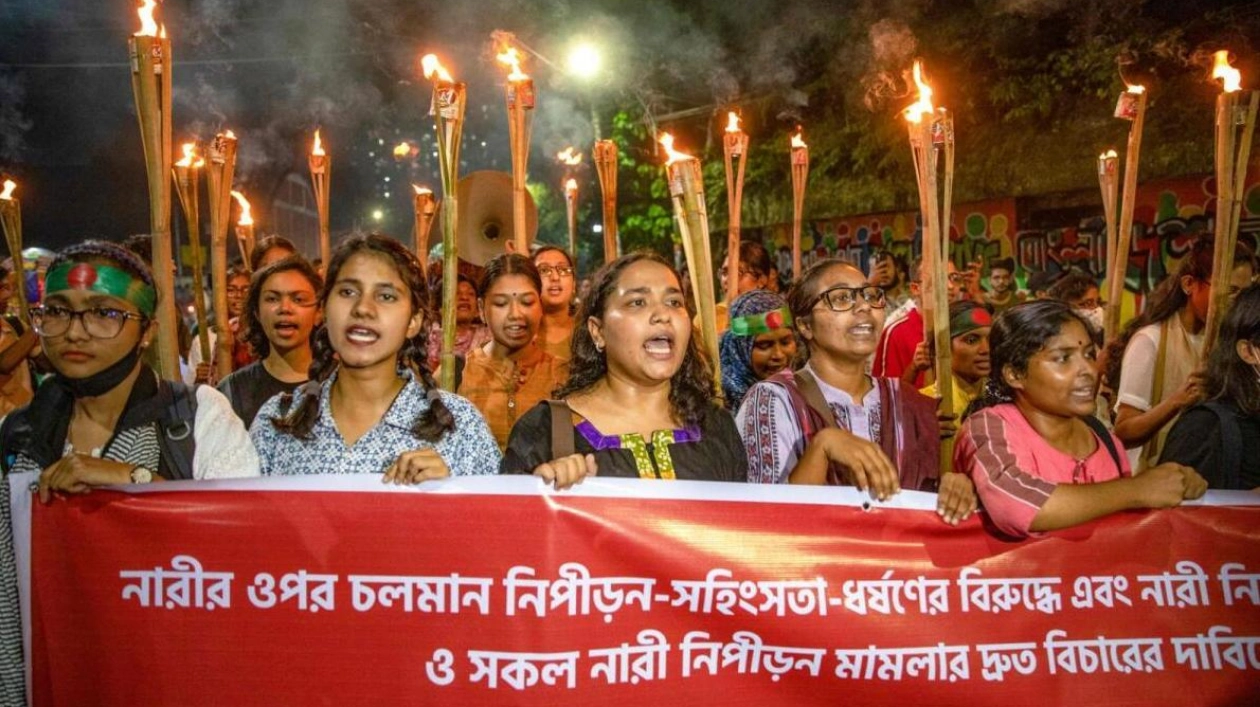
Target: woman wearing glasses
(104, 417)
(555, 267)
(832, 423)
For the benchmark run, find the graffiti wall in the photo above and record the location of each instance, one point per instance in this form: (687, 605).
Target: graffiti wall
(1168, 215)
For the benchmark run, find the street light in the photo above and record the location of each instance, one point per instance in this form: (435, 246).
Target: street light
(584, 61)
(377, 214)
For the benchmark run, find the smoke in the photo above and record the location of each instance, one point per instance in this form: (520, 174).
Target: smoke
(13, 123)
(892, 46)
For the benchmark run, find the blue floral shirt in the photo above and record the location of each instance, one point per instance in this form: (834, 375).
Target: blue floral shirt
(468, 449)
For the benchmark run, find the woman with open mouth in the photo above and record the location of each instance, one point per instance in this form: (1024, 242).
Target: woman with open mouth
(832, 423)
(639, 401)
(280, 315)
(470, 333)
(559, 278)
(370, 405)
(512, 373)
(1039, 459)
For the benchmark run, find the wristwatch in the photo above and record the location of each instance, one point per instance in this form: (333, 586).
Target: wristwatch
(141, 475)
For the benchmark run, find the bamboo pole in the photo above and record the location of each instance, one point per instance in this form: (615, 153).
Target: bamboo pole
(735, 152)
(520, 103)
(151, 86)
(800, 175)
(570, 204)
(1109, 185)
(187, 175)
(1132, 106)
(320, 164)
(686, 190)
(221, 171)
(604, 155)
(447, 107)
(425, 208)
(11, 218)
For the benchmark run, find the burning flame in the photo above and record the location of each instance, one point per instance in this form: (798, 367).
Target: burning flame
(1135, 89)
(510, 57)
(246, 219)
(923, 106)
(570, 186)
(797, 142)
(732, 122)
(667, 141)
(1229, 76)
(9, 186)
(432, 66)
(570, 156)
(1108, 155)
(148, 26)
(229, 134)
(403, 149)
(420, 191)
(190, 154)
(318, 148)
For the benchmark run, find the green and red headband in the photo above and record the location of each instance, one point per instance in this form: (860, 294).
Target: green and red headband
(102, 279)
(764, 323)
(969, 320)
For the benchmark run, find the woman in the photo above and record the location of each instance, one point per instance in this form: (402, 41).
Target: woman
(236, 293)
(269, 249)
(512, 373)
(281, 312)
(754, 274)
(555, 267)
(759, 343)
(1039, 460)
(969, 325)
(370, 406)
(104, 418)
(469, 332)
(830, 422)
(639, 400)
(1162, 349)
(1220, 437)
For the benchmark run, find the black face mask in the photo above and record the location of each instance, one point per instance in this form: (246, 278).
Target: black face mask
(103, 381)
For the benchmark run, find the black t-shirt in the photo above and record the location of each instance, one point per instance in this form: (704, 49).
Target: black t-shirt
(249, 387)
(718, 454)
(1196, 441)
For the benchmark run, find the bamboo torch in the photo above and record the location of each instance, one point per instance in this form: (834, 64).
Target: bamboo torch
(1131, 106)
(447, 107)
(187, 173)
(425, 207)
(686, 189)
(931, 137)
(800, 174)
(735, 150)
(605, 156)
(219, 175)
(151, 84)
(1235, 113)
(320, 164)
(570, 204)
(11, 218)
(1108, 183)
(244, 227)
(520, 103)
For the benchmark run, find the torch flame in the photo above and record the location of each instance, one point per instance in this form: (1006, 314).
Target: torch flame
(667, 141)
(923, 106)
(9, 186)
(402, 150)
(570, 186)
(1108, 155)
(510, 57)
(190, 154)
(1135, 89)
(797, 142)
(229, 134)
(732, 122)
(1229, 76)
(148, 26)
(420, 191)
(432, 66)
(318, 148)
(246, 219)
(570, 157)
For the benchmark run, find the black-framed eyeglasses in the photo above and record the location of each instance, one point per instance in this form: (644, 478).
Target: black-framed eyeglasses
(98, 322)
(555, 271)
(842, 299)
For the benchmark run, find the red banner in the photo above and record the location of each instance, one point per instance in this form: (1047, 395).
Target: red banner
(491, 591)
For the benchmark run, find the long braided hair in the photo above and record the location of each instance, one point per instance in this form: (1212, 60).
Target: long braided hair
(430, 425)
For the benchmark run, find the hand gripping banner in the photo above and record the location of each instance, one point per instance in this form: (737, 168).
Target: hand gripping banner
(496, 591)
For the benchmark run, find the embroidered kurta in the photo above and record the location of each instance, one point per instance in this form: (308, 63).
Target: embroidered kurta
(503, 389)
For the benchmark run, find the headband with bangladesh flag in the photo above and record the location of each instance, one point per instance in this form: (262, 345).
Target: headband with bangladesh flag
(102, 279)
